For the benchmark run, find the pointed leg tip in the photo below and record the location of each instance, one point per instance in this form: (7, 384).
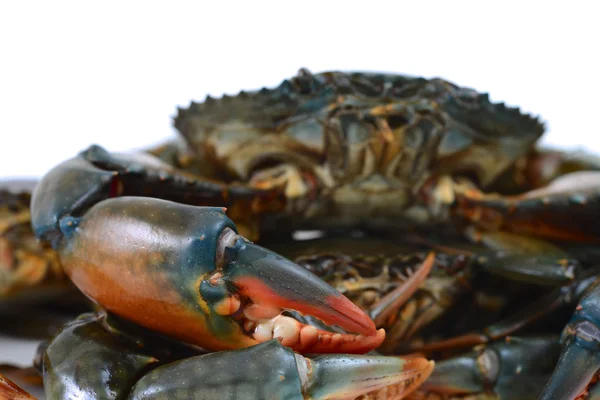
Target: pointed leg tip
(414, 373)
(350, 377)
(420, 368)
(420, 364)
(423, 369)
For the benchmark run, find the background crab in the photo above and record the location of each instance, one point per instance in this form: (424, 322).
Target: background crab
(145, 236)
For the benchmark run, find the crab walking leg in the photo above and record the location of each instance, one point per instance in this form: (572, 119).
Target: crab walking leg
(505, 327)
(440, 286)
(562, 210)
(541, 270)
(580, 359)
(75, 185)
(88, 361)
(515, 368)
(270, 370)
(84, 361)
(543, 165)
(557, 299)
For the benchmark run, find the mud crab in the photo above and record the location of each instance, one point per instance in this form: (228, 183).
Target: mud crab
(162, 242)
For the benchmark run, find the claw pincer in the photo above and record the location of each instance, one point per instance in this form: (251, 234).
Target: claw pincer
(183, 270)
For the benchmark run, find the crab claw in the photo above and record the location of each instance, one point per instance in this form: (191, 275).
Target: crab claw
(185, 272)
(270, 370)
(270, 284)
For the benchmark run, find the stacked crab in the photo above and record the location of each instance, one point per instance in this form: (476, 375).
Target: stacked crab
(443, 232)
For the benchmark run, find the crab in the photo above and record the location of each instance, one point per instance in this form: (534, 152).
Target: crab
(162, 241)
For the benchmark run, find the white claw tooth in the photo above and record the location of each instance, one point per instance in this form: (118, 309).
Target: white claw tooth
(287, 329)
(264, 331)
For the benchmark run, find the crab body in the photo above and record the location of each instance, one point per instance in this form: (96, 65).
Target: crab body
(357, 149)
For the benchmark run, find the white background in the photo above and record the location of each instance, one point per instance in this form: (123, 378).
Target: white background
(113, 72)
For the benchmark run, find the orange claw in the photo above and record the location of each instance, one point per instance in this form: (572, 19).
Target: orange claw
(217, 291)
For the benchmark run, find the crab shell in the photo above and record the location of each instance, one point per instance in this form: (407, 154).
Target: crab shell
(355, 149)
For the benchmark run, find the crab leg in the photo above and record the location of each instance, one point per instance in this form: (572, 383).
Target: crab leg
(544, 165)
(270, 370)
(512, 369)
(580, 359)
(503, 328)
(562, 210)
(95, 174)
(85, 360)
(440, 289)
(184, 270)
(541, 270)
(560, 297)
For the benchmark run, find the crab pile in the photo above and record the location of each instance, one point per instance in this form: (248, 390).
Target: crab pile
(340, 236)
